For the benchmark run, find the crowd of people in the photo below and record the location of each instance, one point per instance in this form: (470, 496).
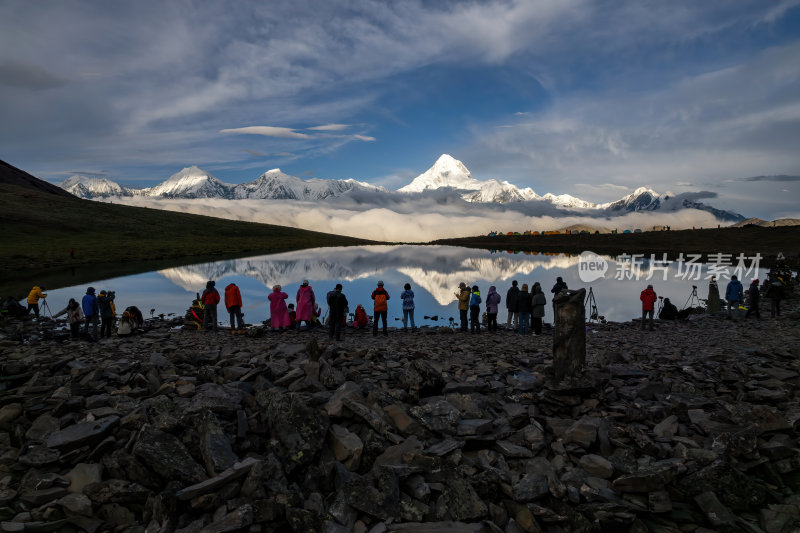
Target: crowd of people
(525, 309)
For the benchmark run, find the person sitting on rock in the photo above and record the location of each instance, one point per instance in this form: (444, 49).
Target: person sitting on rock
(669, 311)
(360, 318)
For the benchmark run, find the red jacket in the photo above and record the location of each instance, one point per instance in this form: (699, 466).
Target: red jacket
(232, 296)
(648, 298)
(210, 297)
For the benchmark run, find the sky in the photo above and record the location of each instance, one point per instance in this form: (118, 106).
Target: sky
(584, 97)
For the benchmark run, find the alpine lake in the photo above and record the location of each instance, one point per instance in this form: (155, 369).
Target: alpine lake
(613, 284)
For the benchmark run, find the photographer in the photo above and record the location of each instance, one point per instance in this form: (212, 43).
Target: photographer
(105, 302)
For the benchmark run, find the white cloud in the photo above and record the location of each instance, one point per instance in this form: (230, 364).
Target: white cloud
(365, 138)
(411, 219)
(268, 131)
(330, 127)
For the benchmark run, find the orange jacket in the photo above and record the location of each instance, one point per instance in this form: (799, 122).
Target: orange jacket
(232, 296)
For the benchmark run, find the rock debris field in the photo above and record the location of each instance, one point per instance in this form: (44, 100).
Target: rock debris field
(690, 428)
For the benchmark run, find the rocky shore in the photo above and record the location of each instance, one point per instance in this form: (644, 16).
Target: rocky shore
(690, 428)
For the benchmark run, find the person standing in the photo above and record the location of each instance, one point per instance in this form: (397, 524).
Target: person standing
(91, 311)
(381, 298)
(492, 305)
(524, 309)
(755, 300)
(734, 294)
(511, 305)
(305, 305)
(538, 302)
(74, 318)
(775, 294)
(463, 296)
(475, 310)
(104, 303)
(337, 303)
(210, 299)
(233, 303)
(559, 286)
(712, 303)
(34, 296)
(278, 312)
(648, 298)
(408, 307)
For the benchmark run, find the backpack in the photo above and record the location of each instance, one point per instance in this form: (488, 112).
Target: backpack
(380, 301)
(408, 300)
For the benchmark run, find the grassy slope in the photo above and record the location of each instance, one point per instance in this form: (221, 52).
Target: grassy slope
(39, 229)
(766, 241)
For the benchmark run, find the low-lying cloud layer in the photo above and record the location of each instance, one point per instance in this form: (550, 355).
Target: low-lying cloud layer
(417, 219)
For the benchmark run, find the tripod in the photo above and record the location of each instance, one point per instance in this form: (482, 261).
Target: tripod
(591, 304)
(46, 309)
(693, 300)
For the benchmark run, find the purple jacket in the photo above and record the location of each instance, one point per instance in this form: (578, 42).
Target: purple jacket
(492, 300)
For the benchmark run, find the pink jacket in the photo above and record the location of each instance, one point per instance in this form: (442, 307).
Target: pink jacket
(279, 314)
(305, 303)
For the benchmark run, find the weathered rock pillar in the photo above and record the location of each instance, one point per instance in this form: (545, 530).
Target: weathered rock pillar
(569, 338)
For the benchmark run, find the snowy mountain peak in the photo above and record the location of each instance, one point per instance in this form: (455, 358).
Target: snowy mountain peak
(90, 187)
(191, 182)
(565, 200)
(446, 172)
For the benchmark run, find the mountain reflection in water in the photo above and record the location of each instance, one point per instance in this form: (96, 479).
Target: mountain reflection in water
(434, 273)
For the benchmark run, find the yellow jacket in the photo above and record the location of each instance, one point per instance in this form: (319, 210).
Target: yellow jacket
(35, 294)
(463, 299)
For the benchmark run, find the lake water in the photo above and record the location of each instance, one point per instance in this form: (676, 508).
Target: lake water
(434, 273)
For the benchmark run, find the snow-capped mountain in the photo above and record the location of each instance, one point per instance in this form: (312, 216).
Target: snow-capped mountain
(274, 184)
(570, 202)
(501, 192)
(191, 182)
(642, 199)
(89, 187)
(446, 172)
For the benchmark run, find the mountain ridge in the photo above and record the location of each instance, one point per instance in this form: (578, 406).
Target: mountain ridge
(447, 173)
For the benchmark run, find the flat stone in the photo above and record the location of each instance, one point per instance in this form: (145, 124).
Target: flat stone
(76, 504)
(596, 465)
(583, 431)
(209, 485)
(237, 519)
(81, 434)
(84, 474)
(167, 456)
(667, 427)
(645, 479)
(512, 450)
(215, 446)
(347, 446)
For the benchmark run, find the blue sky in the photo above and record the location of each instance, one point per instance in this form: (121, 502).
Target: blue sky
(567, 96)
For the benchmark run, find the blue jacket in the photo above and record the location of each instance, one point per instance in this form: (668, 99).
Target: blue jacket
(734, 292)
(475, 300)
(89, 304)
(408, 300)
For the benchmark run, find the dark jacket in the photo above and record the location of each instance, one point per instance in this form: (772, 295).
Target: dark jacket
(755, 295)
(104, 305)
(669, 311)
(511, 298)
(538, 302)
(524, 302)
(337, 302)
(558, 287)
